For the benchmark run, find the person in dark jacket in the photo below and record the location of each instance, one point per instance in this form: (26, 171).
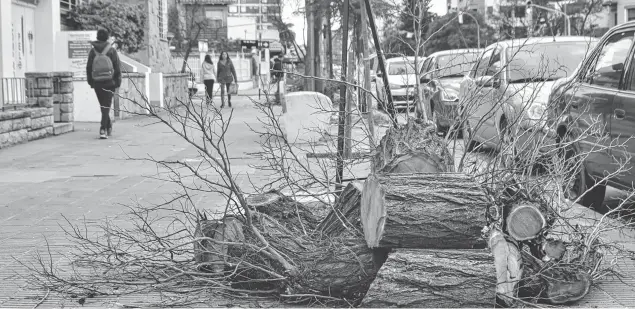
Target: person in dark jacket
(104, 89)
(225, 75)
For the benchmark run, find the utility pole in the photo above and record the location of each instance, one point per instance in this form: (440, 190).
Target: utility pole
(309, 59)
(380, 60)
(342, 103)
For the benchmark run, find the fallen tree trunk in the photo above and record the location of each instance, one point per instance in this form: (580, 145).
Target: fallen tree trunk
(290, 213)
(339, 267)
(413, 148)
(423, 211)
(434, 279)
(345, 215)
(210, 254)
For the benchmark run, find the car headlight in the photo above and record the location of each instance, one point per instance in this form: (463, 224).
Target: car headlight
(448, 97)
(536, 111)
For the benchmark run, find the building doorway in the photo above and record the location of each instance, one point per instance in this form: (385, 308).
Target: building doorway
(22, 32)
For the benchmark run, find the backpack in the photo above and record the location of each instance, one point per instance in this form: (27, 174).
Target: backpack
(102, 66)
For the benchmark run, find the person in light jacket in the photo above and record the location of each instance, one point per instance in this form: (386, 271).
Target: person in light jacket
(226, 74)
(209, 77)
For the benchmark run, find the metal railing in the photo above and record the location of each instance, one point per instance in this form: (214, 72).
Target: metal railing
(12, 92)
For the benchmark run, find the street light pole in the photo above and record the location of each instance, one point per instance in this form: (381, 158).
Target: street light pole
(566, 17)
(478, 27)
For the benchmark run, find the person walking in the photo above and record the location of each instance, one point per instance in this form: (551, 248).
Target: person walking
(255, 68)
(209, 76)
(278, 75)
(103, 72)
(226, 74)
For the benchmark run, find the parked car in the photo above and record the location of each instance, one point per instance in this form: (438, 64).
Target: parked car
(597, 108)
(503, 99)
(401, 80)
(440, 84)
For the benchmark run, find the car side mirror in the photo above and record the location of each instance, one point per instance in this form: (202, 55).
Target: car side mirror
(618, 67)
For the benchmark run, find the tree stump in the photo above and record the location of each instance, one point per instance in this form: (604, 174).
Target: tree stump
(418, 278)
(413, 148)
(210, 254)
(345, 215)
(443, 211)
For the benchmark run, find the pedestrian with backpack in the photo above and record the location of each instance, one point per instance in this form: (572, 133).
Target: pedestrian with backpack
(103, 72)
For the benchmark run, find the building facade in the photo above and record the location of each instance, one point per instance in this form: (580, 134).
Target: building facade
(262, 10)
(216, 12)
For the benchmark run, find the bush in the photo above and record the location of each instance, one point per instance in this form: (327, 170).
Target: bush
(126, 22)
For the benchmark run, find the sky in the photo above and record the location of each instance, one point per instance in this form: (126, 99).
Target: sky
(298, 21)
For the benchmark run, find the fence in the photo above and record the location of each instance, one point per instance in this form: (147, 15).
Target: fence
(12, 92)
(242, 66)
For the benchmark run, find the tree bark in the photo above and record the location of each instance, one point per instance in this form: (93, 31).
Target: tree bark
(345, 215)
(434, 279)
(525, 221)
(338, 267)
(413, 148)
(210, 255)
(293, 215)
(423, 211)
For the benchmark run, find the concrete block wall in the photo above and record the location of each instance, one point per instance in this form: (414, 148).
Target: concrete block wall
(63, 104)
(175, 91)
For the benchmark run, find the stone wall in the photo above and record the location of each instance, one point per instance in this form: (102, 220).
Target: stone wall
(36, 119)
(131, 100)
(175, 90)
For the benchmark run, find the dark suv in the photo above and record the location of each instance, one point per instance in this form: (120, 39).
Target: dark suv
(594, 111)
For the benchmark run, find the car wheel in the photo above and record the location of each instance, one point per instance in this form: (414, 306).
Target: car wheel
(578, 184)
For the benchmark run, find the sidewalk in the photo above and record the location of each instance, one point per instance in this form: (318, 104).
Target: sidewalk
(84, 178)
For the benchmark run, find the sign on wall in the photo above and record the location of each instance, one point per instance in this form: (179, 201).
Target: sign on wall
(73, 49)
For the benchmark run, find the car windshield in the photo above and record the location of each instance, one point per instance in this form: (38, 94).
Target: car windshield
(401, 68)
(545, 61)
(455, 65)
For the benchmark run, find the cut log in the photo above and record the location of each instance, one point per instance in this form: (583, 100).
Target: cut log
(565, 284)
(444, 211)
(292, 214)
(525, 221)
(508, 263)
(421, 278)
(345, 216)
(411, 148)
(210, 254)
(338, 267)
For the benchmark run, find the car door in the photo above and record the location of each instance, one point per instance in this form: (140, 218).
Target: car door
(591, 102)
(470, 94)
(622, 124)
(485, 99)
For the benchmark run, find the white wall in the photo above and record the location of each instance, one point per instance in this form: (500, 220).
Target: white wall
(6, 57)
(47, 25)
(62, 60)
(236, 27)
(86, 107)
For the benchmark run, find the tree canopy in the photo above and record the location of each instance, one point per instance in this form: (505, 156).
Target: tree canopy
(446, 33)
(125, 22)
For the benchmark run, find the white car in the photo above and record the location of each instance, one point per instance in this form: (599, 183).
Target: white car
(401, 80)
(505, 96)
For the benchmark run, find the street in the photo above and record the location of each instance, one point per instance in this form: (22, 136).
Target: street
(83, 179)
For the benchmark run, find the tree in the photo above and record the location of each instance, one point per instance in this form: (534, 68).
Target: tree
(446, 33)
(187, 23)
(126, 22)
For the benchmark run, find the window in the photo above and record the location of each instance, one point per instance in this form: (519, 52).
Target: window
(401, 68)
(233, 9)
(252, 9)
(67, 5)
(250, 1)
(481, 67)
(520, 11)
(243, 9)
(490, 10)
(630, 14)
(606, 70)
(496, 64)
(216, 17)
(162, 17)
(456, 65)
